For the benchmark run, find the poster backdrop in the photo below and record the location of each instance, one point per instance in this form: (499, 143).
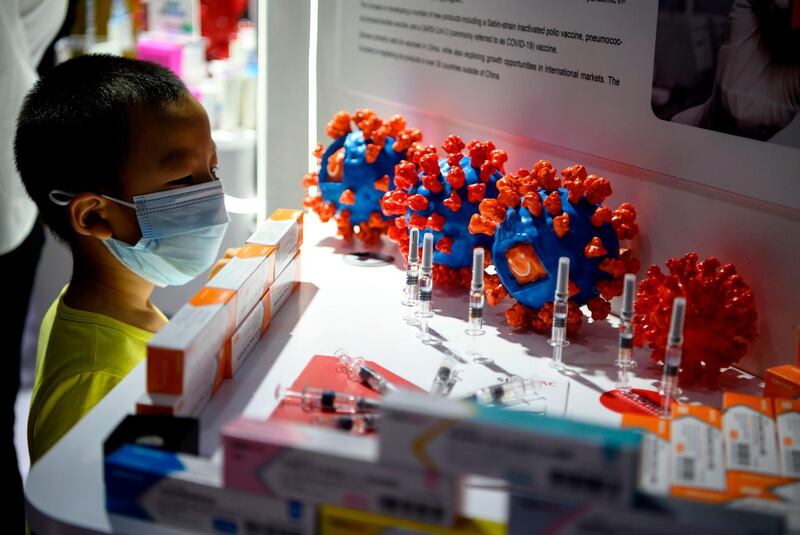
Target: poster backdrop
(647, 83)
(648, 94)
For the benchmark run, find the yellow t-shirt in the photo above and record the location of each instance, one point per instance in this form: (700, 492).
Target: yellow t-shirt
(81, 356)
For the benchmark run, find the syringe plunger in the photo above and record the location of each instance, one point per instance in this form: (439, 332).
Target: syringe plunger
(676, 325)
(562, 283)
(413, 246)
(628, 295)
(477, 269)
(427, 252)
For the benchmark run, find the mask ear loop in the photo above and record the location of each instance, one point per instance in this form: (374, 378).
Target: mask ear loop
(56, 193)
(54, 197)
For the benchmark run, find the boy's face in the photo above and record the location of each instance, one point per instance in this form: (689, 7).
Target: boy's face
(168, 149)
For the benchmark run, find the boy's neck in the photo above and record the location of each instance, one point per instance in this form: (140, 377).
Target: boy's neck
(109, 288)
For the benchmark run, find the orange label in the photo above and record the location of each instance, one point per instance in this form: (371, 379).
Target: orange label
(164, 370)
(267, 312)
(144, 408)
(227, 351)
(787, 371)
(782, 382)
(701, 495)
(782, 406)
(758, 404)
(211, 296)
(651, 424)
(286, 214)
(744, 484)
(254, 250)
(706, 414)
(223, 358)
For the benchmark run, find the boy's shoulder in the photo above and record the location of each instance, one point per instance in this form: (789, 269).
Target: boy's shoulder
(73, 341)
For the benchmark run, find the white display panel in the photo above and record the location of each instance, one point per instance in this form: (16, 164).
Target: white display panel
(683, 190)
(513, 64)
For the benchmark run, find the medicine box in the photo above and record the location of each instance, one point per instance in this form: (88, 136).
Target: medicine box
(538, 453)
(186, 492)
(190, 342)
(654, 474)
(209, 373)
(748, 424)
(318, 465)
(263, 257)
(697, 452)
(342, 521)
(782, 382)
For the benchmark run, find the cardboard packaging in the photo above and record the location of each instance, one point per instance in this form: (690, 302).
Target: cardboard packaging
(342, 521)
(202, 382)
(531, 514)
(200, 328)
(456, 437)
(185, 491)
(782, 382)
(238, 347)
(265, 255)
(322, 466)
(748, 423)
(697, 453)
(283, 231)
(191, 342)
(654, 474)
(787, 419)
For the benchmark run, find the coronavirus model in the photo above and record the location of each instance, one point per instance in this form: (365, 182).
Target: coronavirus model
(720, 318)
(356, 170)
(440, 196)
(535, 220)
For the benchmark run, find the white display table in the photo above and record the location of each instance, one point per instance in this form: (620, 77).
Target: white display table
(356, 308)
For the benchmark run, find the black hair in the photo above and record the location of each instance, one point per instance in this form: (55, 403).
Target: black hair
(73, 130)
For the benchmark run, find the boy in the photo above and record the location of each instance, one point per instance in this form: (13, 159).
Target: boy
(118, 157)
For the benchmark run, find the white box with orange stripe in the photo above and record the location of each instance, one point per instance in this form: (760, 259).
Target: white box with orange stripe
(654, 476)
(215, 365)
(264, 256)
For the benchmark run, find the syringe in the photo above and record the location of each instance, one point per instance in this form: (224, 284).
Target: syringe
(358, 371)
(424, 310)
(352, 423)
(475, 320)
(317, 399)
(558, 338)
(672, 357)
(515, 390)
(445, 378)
(625, 354)
(411, 291)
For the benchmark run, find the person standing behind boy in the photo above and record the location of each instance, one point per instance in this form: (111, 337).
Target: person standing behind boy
(26, 30)
(118, 157)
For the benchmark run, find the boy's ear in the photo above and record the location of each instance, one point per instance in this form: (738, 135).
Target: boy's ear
(90, 214)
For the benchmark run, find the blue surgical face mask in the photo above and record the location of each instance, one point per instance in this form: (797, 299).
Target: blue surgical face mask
(182, 230)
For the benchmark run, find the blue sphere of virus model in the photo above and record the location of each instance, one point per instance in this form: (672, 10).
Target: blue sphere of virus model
(441, 196)
(534, 222)
(356, 170)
